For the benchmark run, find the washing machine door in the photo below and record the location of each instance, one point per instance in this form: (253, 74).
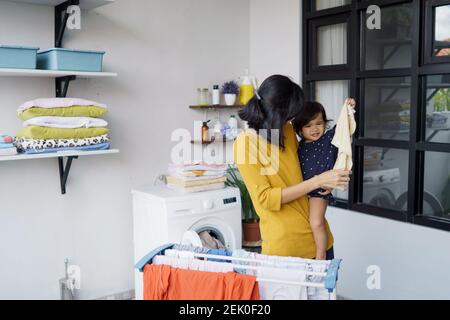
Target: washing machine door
(218, 229)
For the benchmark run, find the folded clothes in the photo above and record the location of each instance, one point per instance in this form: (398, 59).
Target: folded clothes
(6, 139)
(201, 166)
(44, 133)
(25, 143)
(8, 152)
(208, 187)
(6, 145)
(101, 146)
(66, 122)
(75, 111)
(187, 184)
(58, 103)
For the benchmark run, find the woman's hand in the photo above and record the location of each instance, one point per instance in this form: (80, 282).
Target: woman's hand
(334, 179)
(351, 102)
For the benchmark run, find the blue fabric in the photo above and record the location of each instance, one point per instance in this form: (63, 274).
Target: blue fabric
(6, 145)
(220, 252)
(149, 256)
(100, 146)
(330, 254)
(181, 247)
(332, 275)
(318, 157)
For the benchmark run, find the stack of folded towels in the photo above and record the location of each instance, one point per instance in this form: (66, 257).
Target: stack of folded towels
(196, 177)
(7, 147)
(60, 124)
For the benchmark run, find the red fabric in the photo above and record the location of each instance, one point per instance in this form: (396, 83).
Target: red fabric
(162, 282)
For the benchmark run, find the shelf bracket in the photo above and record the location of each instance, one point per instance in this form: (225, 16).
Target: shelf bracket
(64, 171)
(61, 17)
(62, 85)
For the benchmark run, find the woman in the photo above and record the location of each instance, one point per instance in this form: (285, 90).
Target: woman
(266, 156)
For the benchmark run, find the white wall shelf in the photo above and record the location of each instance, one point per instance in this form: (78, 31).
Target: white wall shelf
(57, 155)
(53, 74)
(84, 4)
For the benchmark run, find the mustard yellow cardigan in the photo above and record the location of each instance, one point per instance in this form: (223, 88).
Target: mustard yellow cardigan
(285, 229)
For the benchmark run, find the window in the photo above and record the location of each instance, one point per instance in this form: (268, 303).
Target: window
(400, 77)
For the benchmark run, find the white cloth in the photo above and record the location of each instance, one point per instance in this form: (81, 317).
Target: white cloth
(58, 103)
(192, 264)
(345, 128)
(281, 291)
(8, 152)
(66, 122)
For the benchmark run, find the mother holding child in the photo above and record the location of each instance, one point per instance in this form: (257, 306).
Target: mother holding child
(289, 182)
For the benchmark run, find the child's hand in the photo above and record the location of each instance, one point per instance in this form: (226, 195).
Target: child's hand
(351, 102)
(327, 191)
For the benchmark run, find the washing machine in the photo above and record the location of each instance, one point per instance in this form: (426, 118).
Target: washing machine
(381, 188)
(162, 215)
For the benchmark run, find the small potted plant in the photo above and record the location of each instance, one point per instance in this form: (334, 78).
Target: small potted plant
(230, 90)
(250, 220)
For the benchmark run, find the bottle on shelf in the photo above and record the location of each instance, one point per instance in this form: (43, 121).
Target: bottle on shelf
(216, 95)
(232, 122)
(246, 90)
(205, 131)
(203, 96)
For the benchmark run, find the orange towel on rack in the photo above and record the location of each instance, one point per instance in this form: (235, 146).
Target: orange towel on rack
(162, 282)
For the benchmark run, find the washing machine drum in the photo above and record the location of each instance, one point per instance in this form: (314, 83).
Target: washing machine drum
(217, 231)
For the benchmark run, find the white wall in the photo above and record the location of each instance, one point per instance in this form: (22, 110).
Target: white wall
(163, 50)
(413, 260)
(275, 38)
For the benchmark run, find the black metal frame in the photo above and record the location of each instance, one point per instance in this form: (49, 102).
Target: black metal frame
(428, 32)
(418, 144)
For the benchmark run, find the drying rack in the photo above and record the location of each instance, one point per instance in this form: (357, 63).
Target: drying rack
(327, 279)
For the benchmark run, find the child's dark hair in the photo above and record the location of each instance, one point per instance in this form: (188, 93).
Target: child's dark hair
(277, 101)
(310, 111)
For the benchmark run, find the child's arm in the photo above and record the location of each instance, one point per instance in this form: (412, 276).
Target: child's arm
(317, 209)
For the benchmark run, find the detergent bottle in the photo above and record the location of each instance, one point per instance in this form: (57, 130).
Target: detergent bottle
(246, 90)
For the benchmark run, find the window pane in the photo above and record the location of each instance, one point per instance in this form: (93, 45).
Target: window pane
(385, 183)
(332, 44)
(438, 108)
(436, 200)
(332, 94)
(326, 4)
(390, 46)
(387, 108)
(442, 31)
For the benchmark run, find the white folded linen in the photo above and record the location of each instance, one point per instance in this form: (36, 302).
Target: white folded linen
(8, 152)
(66, 122)
(58, 103)
(281, 291)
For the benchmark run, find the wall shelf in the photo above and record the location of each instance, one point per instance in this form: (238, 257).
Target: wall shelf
(84, 4)
(53, 74)
(62, 81)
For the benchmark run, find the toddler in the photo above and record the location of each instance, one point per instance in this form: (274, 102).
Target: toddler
(317, 155)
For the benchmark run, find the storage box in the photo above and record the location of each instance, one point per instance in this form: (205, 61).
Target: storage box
(18, 57)
(70, 60)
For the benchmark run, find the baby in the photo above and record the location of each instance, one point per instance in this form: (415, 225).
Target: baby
(317, 155)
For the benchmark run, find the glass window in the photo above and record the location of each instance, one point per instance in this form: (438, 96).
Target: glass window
(327, 4)
(441, 46)
(332, 44)
(390, 46)
(438, 108)
(436, 196)
(385, 183)
(332, 94)
(387, 103)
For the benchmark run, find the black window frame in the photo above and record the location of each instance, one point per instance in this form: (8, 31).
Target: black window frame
(419, 70)
(428, 56)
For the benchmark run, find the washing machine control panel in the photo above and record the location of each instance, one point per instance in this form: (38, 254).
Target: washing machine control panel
(208, 204)
(229, 200)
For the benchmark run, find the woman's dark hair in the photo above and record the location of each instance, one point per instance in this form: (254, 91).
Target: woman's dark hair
(309, 113)
(277, 101)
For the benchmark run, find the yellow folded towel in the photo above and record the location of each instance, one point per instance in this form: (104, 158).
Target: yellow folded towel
(193, 183)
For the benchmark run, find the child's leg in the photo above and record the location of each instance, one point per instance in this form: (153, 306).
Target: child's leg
(317, 209)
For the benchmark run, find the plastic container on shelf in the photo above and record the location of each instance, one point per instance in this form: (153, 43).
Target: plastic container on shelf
(18, 57)
(70, 60)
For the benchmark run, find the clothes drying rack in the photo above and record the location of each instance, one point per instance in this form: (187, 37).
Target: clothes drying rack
(327, 279)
